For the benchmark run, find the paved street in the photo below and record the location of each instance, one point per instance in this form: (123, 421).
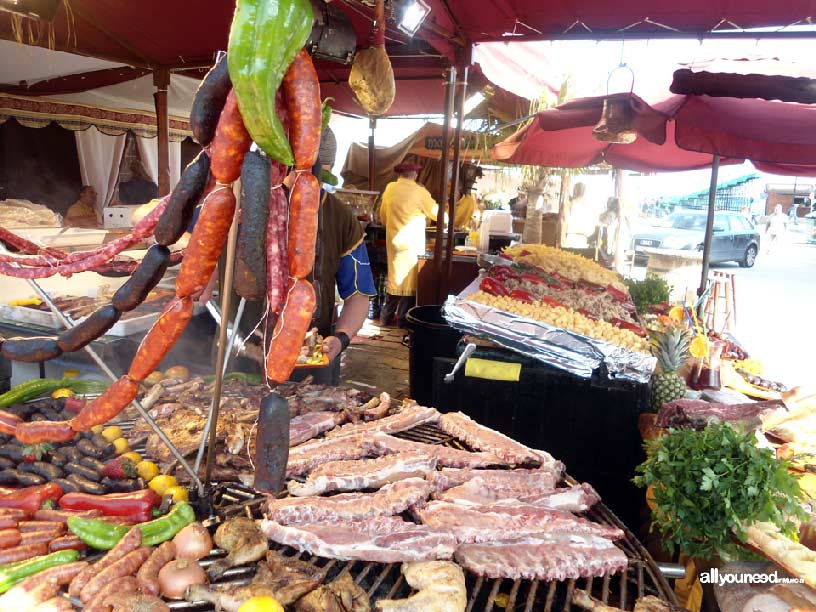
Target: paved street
(775, 304)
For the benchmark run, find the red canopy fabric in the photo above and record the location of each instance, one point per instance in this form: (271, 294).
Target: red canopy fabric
(680, 133)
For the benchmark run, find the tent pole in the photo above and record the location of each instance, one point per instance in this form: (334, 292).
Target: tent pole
(454, 190)
(443, 183)
(161, 80)
(372, 125)
(709, 231)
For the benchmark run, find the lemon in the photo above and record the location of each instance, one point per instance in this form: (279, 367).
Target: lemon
(63, 392)
(178, 494)
(121, 445)
(97, 429)
(161, 483)
(133, 456)
(112, 432)
(147, 470)
(261, 603)
(677, 313)
(699, 347)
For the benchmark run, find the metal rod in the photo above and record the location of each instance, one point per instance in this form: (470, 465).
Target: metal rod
(450, 85)
(372, 162)
(109, 373)
(454, 189)
(709, 231)
(206, 433)
(226, 298)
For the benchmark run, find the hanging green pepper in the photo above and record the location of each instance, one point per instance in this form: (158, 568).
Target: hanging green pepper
(13, 573)
(264, 39)
(104, 536)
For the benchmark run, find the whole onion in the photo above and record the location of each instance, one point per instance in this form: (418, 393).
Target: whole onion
(176, 576)
(193, 542)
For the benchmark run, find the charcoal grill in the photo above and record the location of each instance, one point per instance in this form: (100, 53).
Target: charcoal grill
(385, 581)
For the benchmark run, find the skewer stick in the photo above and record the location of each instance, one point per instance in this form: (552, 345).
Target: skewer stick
(226, 298)
(206, 433)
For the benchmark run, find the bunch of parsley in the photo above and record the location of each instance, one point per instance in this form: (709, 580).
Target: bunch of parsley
(711, 484)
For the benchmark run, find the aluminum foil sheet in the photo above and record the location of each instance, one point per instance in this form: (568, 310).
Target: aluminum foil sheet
(558, 347)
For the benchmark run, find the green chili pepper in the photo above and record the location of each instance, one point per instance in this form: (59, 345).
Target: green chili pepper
(264, 39)
(13, 573)
(104, 536)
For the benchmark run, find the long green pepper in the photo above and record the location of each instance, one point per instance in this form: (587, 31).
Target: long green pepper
(104, 536)
(264, 39)
(13, 573)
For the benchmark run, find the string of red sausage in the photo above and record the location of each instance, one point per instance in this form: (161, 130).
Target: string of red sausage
(227, 150)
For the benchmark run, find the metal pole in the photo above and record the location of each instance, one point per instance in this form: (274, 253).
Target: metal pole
(443, 182)
(709, 231)
(372, 162)
(226, 298)
(161, 80)
(109, 373)
(454, 190)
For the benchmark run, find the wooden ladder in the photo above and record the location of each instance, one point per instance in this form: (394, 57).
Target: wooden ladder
(722, 302)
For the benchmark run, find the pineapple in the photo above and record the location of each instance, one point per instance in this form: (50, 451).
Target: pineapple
(670, 346)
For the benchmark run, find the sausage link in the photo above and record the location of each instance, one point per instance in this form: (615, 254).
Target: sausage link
(35, 432)
(62, 516)
(125, 566)
(209, 101)
(302, 89)
(130, 542)
(8, 422)
(29, 526)
(250, 253)
(67, 542)
(277, 267)
(12, 512)
(10, 538)
(160, 339)
(304, 204)
(90, 329)
(181, 207)
(206, 243)
(230, 144)
(30, 350)
(128, 584)
(148, 574)
(150, 271)
(290, 330)
(61, 574)
(21, 553)
(8, 522)
(114, 399)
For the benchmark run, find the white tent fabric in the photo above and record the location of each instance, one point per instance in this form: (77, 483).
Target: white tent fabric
(34, 64)
(150, 155)
(99, 158)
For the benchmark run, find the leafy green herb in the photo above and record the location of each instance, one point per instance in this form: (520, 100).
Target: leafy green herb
(325, 113)
(711, 484)
(648, 292)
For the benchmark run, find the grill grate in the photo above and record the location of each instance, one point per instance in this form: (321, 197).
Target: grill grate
(385, 581)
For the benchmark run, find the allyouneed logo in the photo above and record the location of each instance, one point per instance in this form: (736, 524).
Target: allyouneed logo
(713, 576)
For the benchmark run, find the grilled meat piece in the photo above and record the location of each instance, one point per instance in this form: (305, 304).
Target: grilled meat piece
(227, 598)
(289, 577)
(340, 595)
(441, 586)
(243, 540)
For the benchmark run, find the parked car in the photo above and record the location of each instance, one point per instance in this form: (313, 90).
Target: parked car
(735, 237)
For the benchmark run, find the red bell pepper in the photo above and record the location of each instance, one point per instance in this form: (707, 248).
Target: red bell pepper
(555, 286)
(137, 505)
(525, 252)
(617, 294)
(587, 314)
(590, 287)
(493, 287)
(629, 307)
(505, 256)
(531, 278)
(621, 324)
(522, 296)
(551, 302)
(568, 282)
(31, 499)
(502, 272)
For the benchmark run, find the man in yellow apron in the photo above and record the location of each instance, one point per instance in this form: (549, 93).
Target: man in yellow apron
(465, 208)
(405, 207)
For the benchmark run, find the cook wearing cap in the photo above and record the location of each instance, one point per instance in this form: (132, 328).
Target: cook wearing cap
(405, 207)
